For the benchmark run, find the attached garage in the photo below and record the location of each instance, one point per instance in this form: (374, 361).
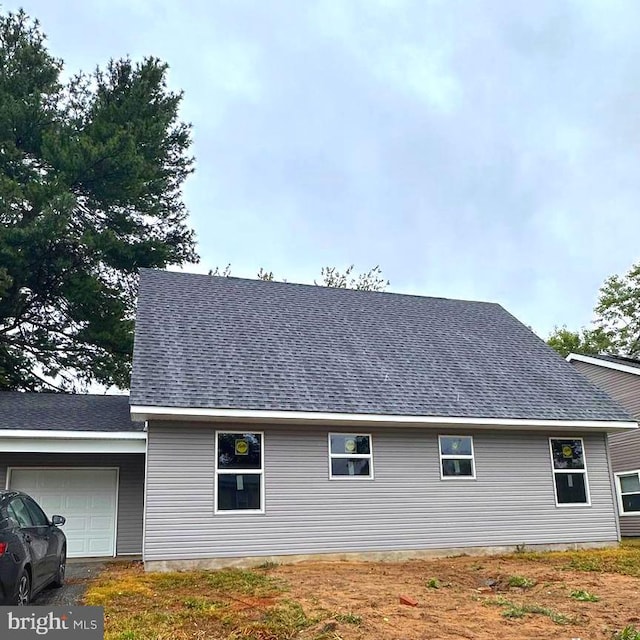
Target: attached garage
(88, 499)
(92, 472)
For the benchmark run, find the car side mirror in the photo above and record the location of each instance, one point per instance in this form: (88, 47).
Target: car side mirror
(58, 520)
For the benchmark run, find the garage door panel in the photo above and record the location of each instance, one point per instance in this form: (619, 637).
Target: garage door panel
(56, 503)
(85, 497)
(101, 502)
(98, 523)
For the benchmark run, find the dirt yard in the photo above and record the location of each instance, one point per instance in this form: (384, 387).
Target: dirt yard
(588, 595)
(466, 598)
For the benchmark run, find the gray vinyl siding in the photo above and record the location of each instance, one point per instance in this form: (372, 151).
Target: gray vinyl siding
(622, 387)
(624, 447)
(406, 507)
(131, 486)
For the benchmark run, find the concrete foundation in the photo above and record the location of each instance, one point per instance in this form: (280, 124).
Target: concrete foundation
(370, 556)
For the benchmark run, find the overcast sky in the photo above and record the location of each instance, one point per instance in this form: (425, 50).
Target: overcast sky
(481, 150)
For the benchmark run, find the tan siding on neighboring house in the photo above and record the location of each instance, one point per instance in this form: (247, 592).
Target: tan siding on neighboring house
(624, 447)
(131, 486)
(622, 387)
(406, 507)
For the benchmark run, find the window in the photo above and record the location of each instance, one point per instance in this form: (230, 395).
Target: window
(629, 492)
(37, 514)
(18, 511)
(569, 471)
(350, 456)
(239, 472)
(456, 457)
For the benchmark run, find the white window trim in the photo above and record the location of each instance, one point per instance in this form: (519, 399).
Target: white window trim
(362, 456)
(621, 511)
(247, 472)
(459, 456)
(584, 471)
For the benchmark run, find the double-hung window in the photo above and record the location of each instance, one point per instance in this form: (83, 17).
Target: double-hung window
(569, 471)
(350, 456)
(239, 472)
(456, 457)
(629, 492)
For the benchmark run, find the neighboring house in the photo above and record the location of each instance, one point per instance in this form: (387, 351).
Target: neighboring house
(286, 420)
(79, 456)
(620, 378)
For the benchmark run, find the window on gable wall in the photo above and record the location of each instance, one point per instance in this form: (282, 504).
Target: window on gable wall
(629, 492)
(239, 472)
(569, 471)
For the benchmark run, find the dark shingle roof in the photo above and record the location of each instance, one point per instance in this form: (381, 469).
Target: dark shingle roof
(629, 362)
(65, 412)
(214, 342)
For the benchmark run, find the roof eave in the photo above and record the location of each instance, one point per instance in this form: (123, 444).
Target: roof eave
(248, 416)
(72, 442)
(607, 364)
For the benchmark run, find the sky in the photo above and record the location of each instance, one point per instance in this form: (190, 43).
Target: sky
(485, 150)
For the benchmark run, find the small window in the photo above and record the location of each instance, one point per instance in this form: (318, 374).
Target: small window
(239, 472)
(569, 471)
(456, 457)
(350, 456)
(629, 492)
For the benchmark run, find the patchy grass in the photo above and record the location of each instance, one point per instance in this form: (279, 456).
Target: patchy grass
(624, 560)
(230, 603)
(433, 583)
(628, 633)
(348, 618)
(521, 581)
(284, 620)
(583, 596)
(631, 542)
(513, 610)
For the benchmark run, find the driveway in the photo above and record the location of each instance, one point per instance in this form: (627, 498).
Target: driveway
(78, 577)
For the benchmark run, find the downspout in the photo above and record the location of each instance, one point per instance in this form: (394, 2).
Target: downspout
(144, 503)
(614, 490)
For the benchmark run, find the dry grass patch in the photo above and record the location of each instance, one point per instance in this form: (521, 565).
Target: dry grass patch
(231, 604)
(624, 560)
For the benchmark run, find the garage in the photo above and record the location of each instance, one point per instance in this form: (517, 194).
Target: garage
(86, 497)
(81, 457)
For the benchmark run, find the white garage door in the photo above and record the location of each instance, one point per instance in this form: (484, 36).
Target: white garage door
(87, 498)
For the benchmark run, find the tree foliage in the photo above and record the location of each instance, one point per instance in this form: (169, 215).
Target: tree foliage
(371, 280)
(616, 326)
(91, 172)
(584, 341)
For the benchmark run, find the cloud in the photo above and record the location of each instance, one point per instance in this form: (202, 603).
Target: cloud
(474, 149)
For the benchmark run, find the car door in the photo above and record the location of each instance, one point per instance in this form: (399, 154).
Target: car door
(47, 532)
(37, 545)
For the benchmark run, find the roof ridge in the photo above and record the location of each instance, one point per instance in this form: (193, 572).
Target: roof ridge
(65, 394)
(260, 282)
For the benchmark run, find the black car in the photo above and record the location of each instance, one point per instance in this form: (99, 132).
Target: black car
(33, 551)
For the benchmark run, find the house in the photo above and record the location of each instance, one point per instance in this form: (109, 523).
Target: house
(286, 421)
(79, 456)
(620, 378)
